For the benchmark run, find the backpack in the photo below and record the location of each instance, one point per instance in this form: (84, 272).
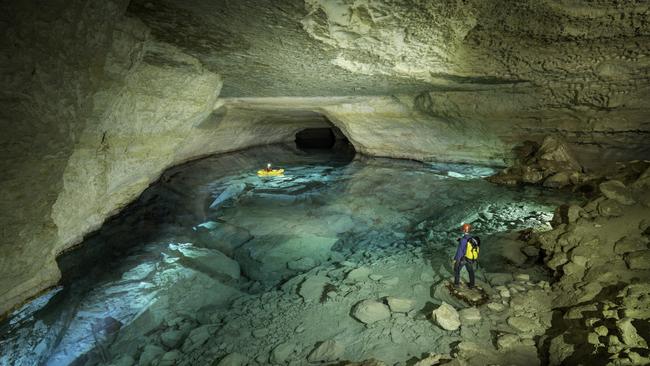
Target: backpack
(473, 247)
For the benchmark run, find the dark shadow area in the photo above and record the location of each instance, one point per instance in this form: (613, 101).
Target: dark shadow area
(320, 138)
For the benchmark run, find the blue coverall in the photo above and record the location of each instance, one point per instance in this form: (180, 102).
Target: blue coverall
(460, 260)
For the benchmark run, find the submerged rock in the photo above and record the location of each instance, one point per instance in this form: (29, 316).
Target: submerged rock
(327, 351)
(170, 358)
(149, 354)
(232, 359)
(312, 288)
(399, 305)
(370, 311)
(282, 353)
(172, 338)
(210, 261)
(302, 264)
(359, 274)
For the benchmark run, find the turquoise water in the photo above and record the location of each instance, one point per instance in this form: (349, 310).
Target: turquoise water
(211, 232)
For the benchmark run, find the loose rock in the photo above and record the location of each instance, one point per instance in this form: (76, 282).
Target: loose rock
(446, 317)
(617, 191)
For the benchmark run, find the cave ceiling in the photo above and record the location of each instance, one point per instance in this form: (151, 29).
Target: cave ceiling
(266, 48)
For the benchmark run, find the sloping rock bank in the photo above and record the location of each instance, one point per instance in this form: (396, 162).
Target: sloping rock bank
(600, 255)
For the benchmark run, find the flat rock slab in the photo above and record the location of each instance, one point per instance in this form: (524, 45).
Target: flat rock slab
(475, 296)
(209, 261)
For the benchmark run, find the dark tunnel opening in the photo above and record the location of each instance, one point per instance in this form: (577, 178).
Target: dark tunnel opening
(320, 138)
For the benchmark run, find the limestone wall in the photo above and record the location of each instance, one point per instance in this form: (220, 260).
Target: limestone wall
(99, 97)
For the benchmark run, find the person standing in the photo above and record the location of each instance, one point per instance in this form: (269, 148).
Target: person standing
(466, 255)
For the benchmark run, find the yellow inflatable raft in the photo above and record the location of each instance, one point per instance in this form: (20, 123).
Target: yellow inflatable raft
(270, 173)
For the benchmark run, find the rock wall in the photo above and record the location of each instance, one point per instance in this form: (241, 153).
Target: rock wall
(92, 125)
(100, 97)
(525, 69)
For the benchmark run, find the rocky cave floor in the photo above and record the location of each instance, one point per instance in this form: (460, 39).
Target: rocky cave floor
(347, 258)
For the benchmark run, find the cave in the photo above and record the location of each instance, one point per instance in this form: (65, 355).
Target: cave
(315, 138)
(320, 138)
(299, 182)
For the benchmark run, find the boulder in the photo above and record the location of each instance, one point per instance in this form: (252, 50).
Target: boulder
(523, 324)
(559, 350)
(638, 260)
(558, 180)
(172, 338)
(327, 351)
(431, 359)
(495, 306)
(497, 279)
(566, 214)
(523, 277)
(643, 181)
(446, 317)
(617, 191)
(531, 176)
(399, 305)
(629, 334)
(631, 244)
(609, 207)
(220, 236)
(232, 359)
(507, 341)
(370, 311)
(556, 150)
(469, 316)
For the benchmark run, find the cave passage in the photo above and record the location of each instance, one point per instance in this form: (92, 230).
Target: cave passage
(320, 138)
(213, 255)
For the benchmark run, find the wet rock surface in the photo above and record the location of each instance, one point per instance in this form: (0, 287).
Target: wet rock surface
(186, 310)
(377, 295)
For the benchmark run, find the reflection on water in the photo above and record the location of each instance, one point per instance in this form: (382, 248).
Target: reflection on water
(212, 231)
